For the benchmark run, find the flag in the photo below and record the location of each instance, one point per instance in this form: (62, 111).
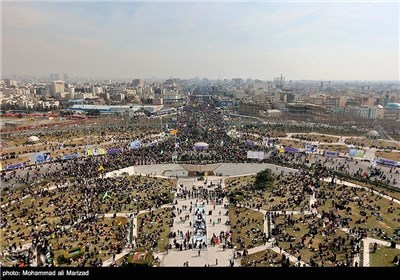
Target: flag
(106, 195)
(101, 168)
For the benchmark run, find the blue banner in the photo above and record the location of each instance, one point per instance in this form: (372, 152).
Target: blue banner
(71, 156)
(331, 154)
(14, 166)
(291, 150)
(114, 151)
(388, 162)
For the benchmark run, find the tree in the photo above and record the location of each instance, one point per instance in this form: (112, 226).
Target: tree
(264, 180)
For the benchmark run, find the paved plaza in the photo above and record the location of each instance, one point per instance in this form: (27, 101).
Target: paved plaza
(209, 256)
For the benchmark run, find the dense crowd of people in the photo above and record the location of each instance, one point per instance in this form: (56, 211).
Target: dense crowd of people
(73, 210)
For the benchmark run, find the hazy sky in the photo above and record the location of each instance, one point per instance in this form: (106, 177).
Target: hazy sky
(307, 40)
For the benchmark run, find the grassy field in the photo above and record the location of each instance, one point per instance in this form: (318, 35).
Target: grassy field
(154, 228)
(389, 155)
(46, 210)
(284, 196)
(308, 249)
(100, 238)
(374, 212)
(390, 193)
(266, 258)
(383, 257)
(247, 227)
(382, 144)
(364, 209)
(291, 143)
(136, 193)
(109, 233)
(316, 137)
(336, 148)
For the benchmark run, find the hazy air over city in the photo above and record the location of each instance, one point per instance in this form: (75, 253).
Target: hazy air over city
(310, 40)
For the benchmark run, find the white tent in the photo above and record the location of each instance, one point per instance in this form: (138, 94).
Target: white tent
(32, 139)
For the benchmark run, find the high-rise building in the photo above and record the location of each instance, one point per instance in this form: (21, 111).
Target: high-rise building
(65, 77)
(137, 82)
(52, 77)
(57, 87)
(279, 82)
(56, 77)
(10, 83)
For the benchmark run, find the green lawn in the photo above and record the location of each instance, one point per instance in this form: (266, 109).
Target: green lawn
(371, 205)
(383, 256)
(154, 228)
(301, 229)
(266, 258)
(284, 196)
(47, 210)
(247, 227)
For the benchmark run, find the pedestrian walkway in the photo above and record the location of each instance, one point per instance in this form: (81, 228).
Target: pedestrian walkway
(175, 257)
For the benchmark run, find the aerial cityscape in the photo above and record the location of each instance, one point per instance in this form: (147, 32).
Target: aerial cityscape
(196, 134)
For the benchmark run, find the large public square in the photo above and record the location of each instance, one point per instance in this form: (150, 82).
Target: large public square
(190, 197)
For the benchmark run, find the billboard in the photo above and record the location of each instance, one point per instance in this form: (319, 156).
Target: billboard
(352, 152)
(310, 148)
(42, 157)
(135, 145)
(96, 151)
(271, 142)
(360, 154)
(255, 155)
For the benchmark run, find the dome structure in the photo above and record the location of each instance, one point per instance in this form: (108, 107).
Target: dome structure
(201, 145)
(32, 139)
(373, 134)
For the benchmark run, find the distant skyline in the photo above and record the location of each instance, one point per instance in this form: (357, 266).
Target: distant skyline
(305, 40)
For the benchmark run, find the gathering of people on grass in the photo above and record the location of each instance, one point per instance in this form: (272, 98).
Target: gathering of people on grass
(66, 207)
